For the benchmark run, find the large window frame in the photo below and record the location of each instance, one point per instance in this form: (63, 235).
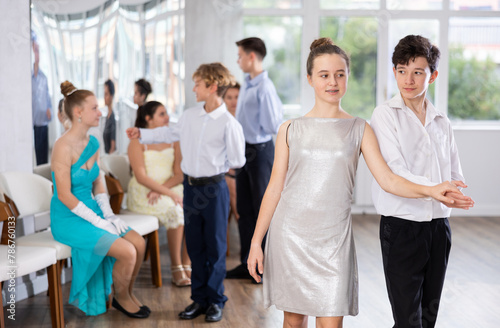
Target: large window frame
(311, 14)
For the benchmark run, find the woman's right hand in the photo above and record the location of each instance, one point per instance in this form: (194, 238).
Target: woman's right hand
(256, 260)
(153, 197)
(177, 199)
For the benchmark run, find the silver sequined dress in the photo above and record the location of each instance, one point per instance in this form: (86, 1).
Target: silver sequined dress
(310, 259)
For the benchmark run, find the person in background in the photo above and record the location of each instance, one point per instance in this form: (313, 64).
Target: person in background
(211, 142)
(417, 142)
(231, 100)
(142, 89)
(105, 252)
(156, 187)
(109, 133)
(41, 108)
(260, 113)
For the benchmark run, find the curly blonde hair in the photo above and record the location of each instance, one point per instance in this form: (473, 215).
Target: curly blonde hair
(215, 73)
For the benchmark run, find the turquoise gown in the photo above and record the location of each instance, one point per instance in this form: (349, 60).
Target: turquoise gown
(92, 269)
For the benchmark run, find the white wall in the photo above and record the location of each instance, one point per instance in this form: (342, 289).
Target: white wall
(16, 150)
(212, 28)
(479, 151)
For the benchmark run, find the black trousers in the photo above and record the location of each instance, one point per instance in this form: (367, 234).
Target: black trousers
(41, 144)
(251, 184)
(415, 257)
(205, 223)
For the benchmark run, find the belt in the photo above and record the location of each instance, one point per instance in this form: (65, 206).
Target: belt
(204, 180)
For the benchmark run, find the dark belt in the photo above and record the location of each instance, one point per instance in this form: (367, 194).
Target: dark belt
(204, 180)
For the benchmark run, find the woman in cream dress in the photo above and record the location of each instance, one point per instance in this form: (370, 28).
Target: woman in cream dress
(156, 187)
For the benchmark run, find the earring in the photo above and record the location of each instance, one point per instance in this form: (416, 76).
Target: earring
(80, 119)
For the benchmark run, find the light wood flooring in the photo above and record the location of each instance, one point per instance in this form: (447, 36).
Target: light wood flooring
(471, 296)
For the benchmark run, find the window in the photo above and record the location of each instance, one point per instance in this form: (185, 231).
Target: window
(467, 33)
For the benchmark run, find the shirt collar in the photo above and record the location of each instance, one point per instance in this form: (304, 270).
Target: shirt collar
(255, 80)
(216, 113)
(397, 102)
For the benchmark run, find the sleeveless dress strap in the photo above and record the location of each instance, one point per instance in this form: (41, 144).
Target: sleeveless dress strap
(88, 152)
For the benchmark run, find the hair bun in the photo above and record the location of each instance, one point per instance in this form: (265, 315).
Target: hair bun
(320, 43)
(67, 88)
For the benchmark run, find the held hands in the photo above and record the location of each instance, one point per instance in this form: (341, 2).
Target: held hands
(133, 133)
(255, 260)
(460, 200)
(449, 194)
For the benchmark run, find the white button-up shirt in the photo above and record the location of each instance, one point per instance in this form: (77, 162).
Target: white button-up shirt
(424, 154)
(211, 143)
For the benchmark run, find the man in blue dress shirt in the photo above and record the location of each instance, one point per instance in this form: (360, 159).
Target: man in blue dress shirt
(260, 113)
(42, 109)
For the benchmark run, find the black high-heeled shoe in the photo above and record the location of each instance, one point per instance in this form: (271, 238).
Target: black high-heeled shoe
(141, 314)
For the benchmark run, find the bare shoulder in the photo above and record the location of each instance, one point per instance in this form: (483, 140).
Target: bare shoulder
(61, 152)
(135, 145)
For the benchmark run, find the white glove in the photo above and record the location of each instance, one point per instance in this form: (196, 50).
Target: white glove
(88, 215)
(103, 202)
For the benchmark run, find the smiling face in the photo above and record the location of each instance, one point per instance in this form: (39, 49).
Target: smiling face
(89, 112)
(160, 118)
(201, 89)
(413, 79)
(329, 78)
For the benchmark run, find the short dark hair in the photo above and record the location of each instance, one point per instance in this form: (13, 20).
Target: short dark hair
(255, 45)
(111, 87)
(144, 87)
(413, 46)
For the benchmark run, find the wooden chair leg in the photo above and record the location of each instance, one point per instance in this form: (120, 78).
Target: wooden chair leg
(154, 249)
(56, 303)
(148, 242)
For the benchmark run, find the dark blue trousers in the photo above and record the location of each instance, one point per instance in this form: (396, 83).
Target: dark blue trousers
(251, 184)
(415, 257)
(41, 144)
(206, 209)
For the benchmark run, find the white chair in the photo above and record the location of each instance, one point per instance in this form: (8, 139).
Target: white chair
(30, 194)
(27, 260)
(119, 167)
(145, 225)
(43, 170)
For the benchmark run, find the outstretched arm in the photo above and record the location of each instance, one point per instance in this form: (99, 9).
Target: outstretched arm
(395, 184)
(269, 203)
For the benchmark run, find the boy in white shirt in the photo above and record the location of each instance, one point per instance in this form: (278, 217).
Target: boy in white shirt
(212, 142)
(417, 143)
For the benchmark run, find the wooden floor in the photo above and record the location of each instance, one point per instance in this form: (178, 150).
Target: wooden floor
(471, 296)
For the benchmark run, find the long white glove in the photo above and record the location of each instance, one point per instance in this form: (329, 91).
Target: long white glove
(88, 215)
(103, 202)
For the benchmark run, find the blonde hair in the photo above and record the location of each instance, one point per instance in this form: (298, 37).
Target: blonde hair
(73, 97)
(215, 73)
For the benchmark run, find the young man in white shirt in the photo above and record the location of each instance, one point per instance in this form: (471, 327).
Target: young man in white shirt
(417, 143)
(211, 143)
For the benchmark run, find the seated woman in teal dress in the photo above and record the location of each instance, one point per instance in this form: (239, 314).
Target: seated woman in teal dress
(104, 250)
(156, 187)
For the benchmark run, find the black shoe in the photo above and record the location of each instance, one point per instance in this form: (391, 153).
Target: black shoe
(141, 314)
(240, 272)
(214, 313)
(192, 311)
(146, 309)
